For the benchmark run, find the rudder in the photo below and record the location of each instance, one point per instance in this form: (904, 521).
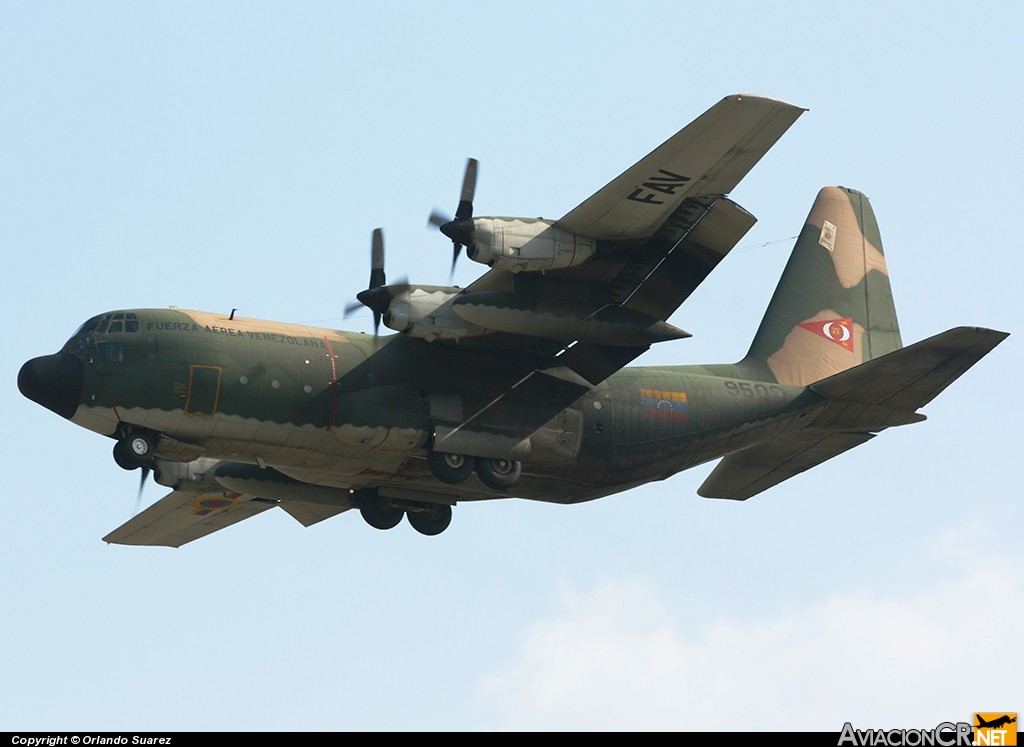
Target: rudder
(833, 307)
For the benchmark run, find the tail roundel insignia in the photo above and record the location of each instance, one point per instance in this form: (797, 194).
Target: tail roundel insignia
(839, 331)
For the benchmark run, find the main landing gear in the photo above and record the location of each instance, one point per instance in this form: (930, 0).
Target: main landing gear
(498, 474)
(385, 513)
(450, 468)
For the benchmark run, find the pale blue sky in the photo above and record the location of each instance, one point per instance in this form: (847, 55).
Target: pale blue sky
(227, 155)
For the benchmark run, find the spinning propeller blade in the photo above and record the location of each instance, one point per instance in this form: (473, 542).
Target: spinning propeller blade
(461, 229)
(378, 296)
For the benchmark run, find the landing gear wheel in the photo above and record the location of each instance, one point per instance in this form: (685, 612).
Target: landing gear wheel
(450, 468)
(134, 450)
(500, 474)
(378, 515)
(432, 521)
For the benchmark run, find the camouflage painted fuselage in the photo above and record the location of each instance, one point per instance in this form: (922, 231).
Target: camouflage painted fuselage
(245, 415)
(328, 408)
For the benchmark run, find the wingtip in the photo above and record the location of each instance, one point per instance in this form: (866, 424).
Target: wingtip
(769, 100)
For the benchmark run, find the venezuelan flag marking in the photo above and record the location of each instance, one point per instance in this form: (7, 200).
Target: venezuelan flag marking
(660, 403)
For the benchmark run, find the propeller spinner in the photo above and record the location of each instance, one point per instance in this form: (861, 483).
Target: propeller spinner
(377, 297)
(460, 229)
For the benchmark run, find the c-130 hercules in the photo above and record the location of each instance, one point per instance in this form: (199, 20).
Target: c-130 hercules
(515, 386)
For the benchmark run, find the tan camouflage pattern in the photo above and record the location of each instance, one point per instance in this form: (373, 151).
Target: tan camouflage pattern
(806, 357)
(837, 272)
(852, 254)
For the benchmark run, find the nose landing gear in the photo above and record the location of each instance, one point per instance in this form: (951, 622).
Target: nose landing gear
(134, 449)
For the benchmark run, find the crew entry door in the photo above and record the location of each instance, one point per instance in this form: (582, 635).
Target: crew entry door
(203, 390)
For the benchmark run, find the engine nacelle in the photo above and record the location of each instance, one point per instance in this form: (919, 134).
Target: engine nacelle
(198, 474)
(518, 244)
(426, 312)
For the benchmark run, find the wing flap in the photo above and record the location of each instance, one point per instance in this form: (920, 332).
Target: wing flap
(746, 473)
(690, 259)
(499, 428)
(183, 516)
(707, 157)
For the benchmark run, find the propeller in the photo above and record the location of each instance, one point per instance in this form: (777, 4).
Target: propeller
(377, 297)
(143, 474)
(461, 229)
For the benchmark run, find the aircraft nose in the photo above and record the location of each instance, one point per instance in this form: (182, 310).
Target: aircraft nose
(54, 381)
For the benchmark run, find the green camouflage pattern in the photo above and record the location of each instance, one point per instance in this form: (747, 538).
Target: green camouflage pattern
(518, 385)
(347, 411)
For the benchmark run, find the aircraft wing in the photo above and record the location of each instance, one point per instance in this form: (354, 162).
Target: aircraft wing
(662, 226)
(707, 157)
(669, 213)
(665, 223)
(183, 516)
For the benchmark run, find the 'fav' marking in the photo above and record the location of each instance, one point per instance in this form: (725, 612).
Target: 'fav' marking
(664, 183)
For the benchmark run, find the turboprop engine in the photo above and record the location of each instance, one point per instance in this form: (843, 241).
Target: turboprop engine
(425, 311)
(518, 245)
(513, 244)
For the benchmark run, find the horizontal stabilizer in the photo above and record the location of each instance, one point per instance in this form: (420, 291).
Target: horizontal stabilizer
(751, 471)
(913, 376)
(183, 516)
(900, 382)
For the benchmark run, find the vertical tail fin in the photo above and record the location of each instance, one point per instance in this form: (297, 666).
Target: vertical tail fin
(833, 307)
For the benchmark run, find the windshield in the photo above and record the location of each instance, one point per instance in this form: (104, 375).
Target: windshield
(104, 324)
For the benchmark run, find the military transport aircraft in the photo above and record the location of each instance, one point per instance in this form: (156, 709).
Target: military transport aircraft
(515, 386)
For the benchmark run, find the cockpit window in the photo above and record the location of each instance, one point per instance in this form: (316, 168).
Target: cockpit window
(112, 323)
(84, 334)
(109, 352)
(88, 326)
(121, 321)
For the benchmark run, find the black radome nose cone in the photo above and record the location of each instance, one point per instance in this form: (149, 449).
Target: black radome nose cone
(54, 381)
